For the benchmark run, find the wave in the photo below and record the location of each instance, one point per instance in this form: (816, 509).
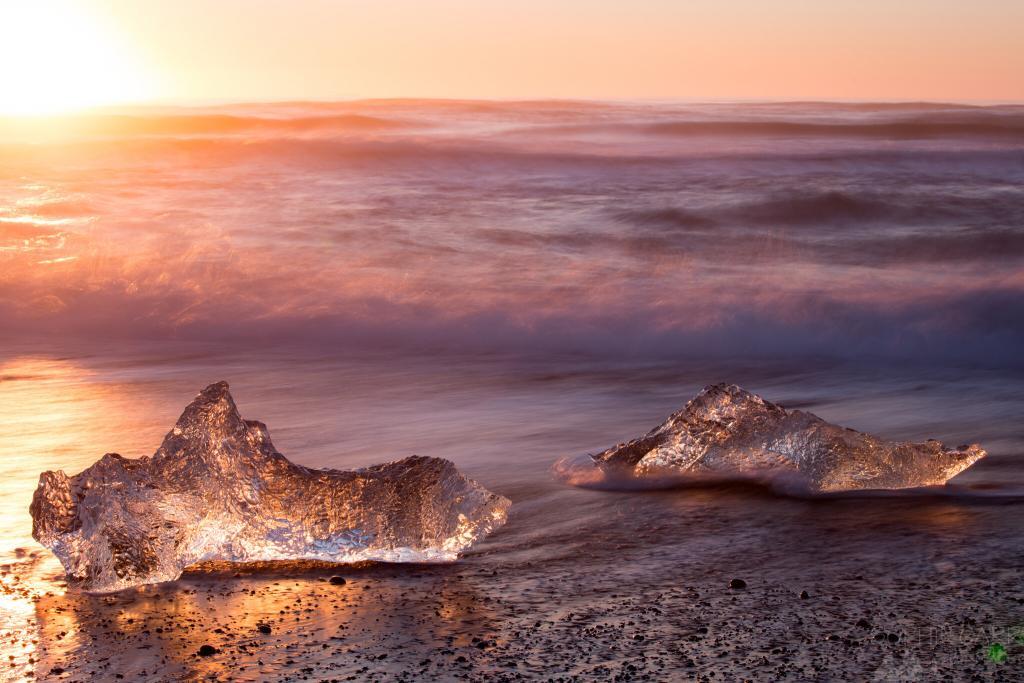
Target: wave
(838, 207)
(893, 121)
(119, 125)
(998, 127)
(932, 247)
(667, 217)
(579, 471)
(998, 212)
(978, 328)
(914, 106)
(392, 143)
(463, 239)
(927, 246)
(817, 208)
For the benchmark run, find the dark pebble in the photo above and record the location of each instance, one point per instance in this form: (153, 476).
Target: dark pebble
(737, 584)
(338, 580)
(804, 595)
(263, 628)
(207, 650)
(863, 623)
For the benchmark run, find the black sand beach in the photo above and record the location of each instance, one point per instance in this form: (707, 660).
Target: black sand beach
(580, 584)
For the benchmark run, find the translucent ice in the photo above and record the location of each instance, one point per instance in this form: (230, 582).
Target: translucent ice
(218, 490)
(727, 432)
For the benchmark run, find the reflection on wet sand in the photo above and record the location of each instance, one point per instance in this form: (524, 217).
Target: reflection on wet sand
(314, 624)
(632, 589)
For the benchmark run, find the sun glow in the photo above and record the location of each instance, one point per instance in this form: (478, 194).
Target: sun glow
(56, 58)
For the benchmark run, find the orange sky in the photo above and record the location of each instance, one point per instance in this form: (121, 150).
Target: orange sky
(85, 52)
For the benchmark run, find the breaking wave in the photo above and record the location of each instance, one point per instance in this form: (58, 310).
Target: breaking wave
(121, 125)
(817, 208)
(998, 126)
(494, 226)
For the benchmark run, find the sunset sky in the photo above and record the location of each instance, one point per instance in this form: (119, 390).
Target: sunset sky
(74, 53)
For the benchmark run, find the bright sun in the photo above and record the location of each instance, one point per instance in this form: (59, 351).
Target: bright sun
(56, 57)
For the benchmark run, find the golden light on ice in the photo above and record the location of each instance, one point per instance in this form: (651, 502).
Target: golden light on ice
(57, 57)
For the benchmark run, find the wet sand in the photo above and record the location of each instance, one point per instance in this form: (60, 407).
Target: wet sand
(644, 595)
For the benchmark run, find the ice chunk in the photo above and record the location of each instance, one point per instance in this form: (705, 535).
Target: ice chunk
(727, 432)
(218, 490)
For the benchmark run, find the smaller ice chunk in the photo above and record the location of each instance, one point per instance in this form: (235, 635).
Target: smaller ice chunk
(728, 432)
(217, 489)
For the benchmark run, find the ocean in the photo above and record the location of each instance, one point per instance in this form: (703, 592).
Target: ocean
(504, 284)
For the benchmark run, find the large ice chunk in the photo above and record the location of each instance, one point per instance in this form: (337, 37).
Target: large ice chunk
(727, 432)
(218, 490)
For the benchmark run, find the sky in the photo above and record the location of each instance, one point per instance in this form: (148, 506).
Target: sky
(71, 53)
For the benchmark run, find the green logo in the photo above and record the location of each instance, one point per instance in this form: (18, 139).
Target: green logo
(996, 652)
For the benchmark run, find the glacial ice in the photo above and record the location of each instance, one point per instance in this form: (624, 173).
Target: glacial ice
(217, 489)
(728, 432)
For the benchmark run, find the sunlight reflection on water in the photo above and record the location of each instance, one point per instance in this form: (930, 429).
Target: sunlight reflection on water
(54, 414)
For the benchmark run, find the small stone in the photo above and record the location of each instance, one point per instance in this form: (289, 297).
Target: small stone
(863, 623)
(338, 580)
(207, 650)
(737, 584)
(804, 595)
(263, 628)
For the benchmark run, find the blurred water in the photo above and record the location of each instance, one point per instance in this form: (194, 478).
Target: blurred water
(503, 419)
(853, 231)
(507, 284)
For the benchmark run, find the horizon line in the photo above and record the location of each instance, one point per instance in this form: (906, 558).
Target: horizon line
(253, 102)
